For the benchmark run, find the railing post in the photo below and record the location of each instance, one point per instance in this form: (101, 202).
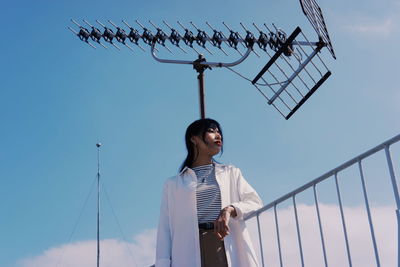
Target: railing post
(371, 226)
(343, 221)
(397, 198)
(320, 225)
(260, 240)
(278, 236)
(298, 231)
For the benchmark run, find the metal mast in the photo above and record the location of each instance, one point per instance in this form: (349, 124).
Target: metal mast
(98, 145)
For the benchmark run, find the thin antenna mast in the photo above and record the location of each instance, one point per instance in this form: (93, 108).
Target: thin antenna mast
(98, 145)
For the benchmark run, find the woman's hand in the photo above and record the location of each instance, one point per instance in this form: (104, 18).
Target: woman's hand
(221, 228)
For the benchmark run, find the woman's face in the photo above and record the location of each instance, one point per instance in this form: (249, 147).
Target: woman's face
(212, 143)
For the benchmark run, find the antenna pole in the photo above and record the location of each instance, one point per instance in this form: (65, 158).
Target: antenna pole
(98, 204)
(200, 77)
(200, 68)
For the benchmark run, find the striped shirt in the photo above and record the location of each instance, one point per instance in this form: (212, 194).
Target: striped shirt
(208, 195)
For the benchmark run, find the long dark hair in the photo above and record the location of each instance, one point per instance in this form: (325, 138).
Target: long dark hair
(198, 128)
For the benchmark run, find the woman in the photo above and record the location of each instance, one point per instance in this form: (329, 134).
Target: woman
(203, 208)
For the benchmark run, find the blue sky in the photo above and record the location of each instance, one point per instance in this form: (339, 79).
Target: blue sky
(59, 97)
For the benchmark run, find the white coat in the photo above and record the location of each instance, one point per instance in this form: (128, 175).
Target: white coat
(178, 233)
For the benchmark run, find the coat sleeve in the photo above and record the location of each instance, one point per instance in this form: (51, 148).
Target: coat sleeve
(249, 200)
(163, 248)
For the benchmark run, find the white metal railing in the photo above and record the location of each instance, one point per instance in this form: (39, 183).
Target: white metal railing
(271, 208)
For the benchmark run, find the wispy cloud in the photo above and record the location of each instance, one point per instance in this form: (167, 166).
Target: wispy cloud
(141, 252)
(372, 19)
(382, 27)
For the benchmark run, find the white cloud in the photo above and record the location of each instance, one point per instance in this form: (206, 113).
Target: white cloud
(381, 27)
(118, 253)
(113, 253)
(373, 19)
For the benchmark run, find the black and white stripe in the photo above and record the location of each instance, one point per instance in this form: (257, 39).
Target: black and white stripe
(208, 194)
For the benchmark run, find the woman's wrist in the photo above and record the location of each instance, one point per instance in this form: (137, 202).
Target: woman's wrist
(231, 210)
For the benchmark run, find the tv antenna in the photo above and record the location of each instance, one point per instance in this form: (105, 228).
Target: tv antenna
(293, 72)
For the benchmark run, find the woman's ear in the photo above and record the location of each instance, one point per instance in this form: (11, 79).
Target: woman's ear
(193, 140)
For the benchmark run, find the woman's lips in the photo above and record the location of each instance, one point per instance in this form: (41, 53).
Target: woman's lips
(218, 143)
